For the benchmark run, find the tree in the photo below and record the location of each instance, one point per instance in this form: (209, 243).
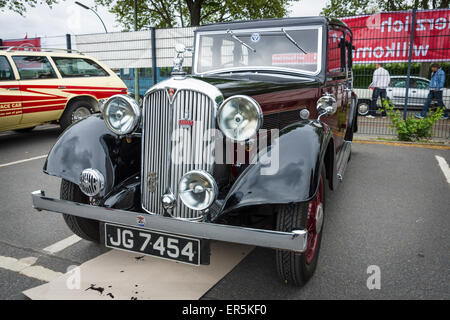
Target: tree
(20, 6)
(176, 13)
(346, 8)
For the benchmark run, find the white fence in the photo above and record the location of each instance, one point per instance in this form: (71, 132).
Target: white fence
(134, 49)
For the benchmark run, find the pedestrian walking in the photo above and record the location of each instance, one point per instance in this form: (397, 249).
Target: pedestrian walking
(436, 84)
(380, 82)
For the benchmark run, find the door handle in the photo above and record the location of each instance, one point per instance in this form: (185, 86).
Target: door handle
(413, 91)
(14, 88)
(61, 87)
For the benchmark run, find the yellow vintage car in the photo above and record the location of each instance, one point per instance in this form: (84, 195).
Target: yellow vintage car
(51, 86)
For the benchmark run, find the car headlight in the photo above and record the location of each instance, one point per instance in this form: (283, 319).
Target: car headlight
(197, 189)
(121, 114)
(239, 117)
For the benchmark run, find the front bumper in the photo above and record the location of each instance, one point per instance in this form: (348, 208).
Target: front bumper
(293, 241)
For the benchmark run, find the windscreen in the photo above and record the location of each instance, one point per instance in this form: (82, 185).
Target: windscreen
(293, 49)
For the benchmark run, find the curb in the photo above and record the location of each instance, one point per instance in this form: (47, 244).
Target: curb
(404, 144)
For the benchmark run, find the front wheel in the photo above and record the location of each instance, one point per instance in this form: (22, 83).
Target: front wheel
(84, 228)
(297, 268)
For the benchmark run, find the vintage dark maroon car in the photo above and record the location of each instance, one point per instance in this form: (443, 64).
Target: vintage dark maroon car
(243, 150)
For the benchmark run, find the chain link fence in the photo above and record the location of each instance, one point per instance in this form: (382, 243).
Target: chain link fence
(394, 59)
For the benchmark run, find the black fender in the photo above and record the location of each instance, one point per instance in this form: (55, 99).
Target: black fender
(90, 144)
(302, 148)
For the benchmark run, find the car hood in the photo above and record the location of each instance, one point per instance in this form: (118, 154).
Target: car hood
(256, 84)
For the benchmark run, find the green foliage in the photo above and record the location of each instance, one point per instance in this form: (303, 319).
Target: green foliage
(183, 13)
(346, 8)
(20, 6)
(412, 129)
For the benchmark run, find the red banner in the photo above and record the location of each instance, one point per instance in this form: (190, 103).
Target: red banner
(30, 44)
(386, 37)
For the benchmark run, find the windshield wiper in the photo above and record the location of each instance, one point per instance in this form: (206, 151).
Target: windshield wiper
(239, 40)
(292, 40)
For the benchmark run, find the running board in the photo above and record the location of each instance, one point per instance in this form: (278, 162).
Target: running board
(343, 159)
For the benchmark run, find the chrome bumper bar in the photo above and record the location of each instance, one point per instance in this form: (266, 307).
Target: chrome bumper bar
(293, 241)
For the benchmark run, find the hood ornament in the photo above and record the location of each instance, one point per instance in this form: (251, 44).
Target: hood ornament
(179, 59)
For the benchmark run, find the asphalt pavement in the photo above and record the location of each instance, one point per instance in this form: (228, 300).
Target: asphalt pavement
(391, 211)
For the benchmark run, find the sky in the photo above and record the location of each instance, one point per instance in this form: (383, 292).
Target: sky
(67, 17)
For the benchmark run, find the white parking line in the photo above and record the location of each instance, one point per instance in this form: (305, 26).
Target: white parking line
(21, 161)
(61, 245)
(444, 167)
(27, 268)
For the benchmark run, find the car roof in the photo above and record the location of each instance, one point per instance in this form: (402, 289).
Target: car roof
(42, 53)
(264, 23)
(415, 77)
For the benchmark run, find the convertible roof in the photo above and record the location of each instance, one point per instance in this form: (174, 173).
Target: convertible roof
(264, 23)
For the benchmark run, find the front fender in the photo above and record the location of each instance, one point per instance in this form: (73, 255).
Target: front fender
(302, 147)
(90, 144)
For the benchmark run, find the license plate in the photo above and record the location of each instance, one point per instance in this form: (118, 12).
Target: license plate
(153, 243)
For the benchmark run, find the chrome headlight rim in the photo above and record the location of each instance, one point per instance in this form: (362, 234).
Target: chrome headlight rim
(134, 107)
(254, 103)
(209, 178)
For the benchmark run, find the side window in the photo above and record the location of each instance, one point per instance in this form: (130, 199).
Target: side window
(6, 72)
(349, 50)
(398, 83)
(420, 84)
(34, 67)
(78, 67)
(336, 47)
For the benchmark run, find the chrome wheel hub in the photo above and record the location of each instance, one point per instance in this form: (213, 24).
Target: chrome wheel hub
(363, 108)
(80, 114)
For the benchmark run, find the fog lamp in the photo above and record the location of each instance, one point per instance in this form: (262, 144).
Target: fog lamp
(198, 190)
(92, 182)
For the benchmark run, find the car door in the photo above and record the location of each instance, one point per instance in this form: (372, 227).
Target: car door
(397, 91)
(43, 101)
(10, 97)
(336, 84)
(419, 92)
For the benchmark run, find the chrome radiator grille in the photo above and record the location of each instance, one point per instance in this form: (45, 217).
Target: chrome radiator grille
(163, 136)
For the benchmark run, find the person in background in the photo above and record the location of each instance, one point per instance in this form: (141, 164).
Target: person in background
(436, 85)
(380, 82)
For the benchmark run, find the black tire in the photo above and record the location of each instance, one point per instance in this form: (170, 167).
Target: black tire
(24, 130)
(84, 228)
(292, 267)
(69, 115)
